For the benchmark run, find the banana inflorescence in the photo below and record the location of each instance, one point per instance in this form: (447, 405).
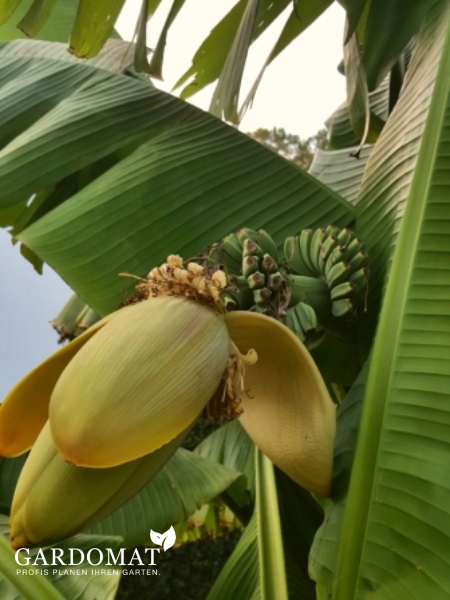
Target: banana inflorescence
(194, 337)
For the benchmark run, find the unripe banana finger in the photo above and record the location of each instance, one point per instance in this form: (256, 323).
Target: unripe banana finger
(327, 247)
(294, 258)
(340, 308)
(268, 264)
(250, 264)
(345, 236)
(266, 242)
(251, 248)
(256, 280)
(336, 256)
(305, 248)
(338, 273)
(344, 290)
(262, 296)
(359, 260)
(245, 233)
(316, 246)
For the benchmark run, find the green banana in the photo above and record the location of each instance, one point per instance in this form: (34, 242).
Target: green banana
(230, 253)
(268, 264)
(256, 280)
(245, 233)
(262, 296)
(251, 248)
(306, 236)
(250, 264)
(336, 256)
(338, 273)
(294, 257)
(327, 246)
(359, 260)
(310, 290)
(266, 242)
(355, 246)
(360, 277)
(340, 308)
(240, 281)
(229, 301)
(344, 237)
(276, 281)
(344, 290)
(316, 247)
(332, 231)
(302, 320)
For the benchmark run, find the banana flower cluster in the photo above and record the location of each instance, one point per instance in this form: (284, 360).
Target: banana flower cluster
(104, 413)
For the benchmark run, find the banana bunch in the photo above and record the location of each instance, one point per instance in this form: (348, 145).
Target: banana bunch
(302, 320)
(256, 281)
(337, 258)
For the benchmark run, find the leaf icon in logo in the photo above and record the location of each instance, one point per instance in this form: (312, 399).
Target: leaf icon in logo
(166, 539)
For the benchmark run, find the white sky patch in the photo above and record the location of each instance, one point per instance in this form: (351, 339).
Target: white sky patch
(299, 90)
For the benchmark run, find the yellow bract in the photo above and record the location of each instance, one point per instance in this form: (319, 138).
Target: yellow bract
(287, 412)
(24, 411)
(139, 382)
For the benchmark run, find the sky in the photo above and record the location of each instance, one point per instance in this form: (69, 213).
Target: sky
(299, 91)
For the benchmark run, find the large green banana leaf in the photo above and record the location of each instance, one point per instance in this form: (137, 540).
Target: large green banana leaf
(178, 490)
(173, 179)
(390, 537)
(60, 585)
(393, 162)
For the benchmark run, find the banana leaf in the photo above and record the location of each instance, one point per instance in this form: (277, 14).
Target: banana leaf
(185, 484)
(180, 179)
(389, 536)
(341, 171)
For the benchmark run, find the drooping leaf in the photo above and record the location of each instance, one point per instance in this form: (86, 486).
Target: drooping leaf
(210, 58)
(340, 132)
(36, 17)
(389, 27)
(355, 10)
(156, 63)
(93, 25)
(303, 14)
(224, 102)
(185, 484)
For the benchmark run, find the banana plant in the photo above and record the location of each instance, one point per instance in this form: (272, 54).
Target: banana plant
(162, 177)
